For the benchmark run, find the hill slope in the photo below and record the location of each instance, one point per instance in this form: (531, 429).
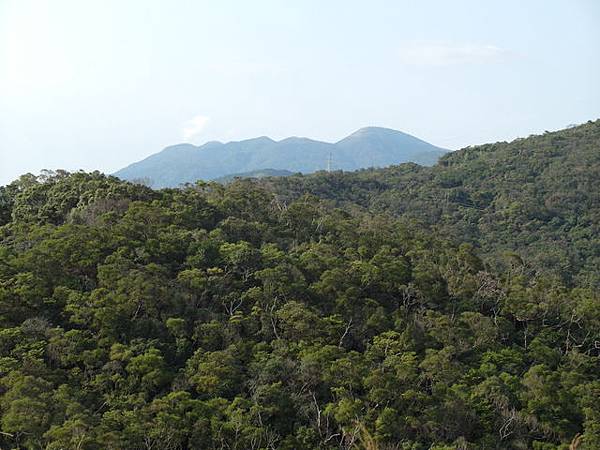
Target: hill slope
(251, 315)
(538, 197)
(262, 173)
(368, 147)
(218, 317)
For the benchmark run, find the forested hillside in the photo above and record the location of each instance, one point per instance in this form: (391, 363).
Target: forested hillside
(534, 202)
(254, 174)
(239, 317)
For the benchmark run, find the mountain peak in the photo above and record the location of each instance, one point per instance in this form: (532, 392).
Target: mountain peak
(254, 141)
(376, 130)
(379, 133)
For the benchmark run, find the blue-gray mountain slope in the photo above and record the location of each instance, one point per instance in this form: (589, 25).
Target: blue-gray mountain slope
(367, 147)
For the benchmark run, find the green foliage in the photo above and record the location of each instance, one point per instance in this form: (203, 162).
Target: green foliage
(536, 198)
(244, 317)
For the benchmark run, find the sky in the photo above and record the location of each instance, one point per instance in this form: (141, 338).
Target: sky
(88, 84)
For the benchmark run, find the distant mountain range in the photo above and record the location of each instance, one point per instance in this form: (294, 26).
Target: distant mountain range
(367, 147)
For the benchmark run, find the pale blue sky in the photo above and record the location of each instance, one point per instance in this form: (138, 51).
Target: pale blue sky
(99, 84)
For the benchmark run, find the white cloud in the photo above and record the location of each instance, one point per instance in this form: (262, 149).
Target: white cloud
(194, 126)
(447, 54)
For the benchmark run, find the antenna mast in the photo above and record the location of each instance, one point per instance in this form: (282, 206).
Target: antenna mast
(329, 162)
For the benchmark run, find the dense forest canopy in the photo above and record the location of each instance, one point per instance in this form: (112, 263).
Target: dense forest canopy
(537, 198)
(453, 307)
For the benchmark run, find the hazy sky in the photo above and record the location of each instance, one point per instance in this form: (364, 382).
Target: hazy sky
(99, 84)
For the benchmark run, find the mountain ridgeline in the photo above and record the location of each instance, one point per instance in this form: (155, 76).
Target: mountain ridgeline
(447, 307)
(367, 147)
